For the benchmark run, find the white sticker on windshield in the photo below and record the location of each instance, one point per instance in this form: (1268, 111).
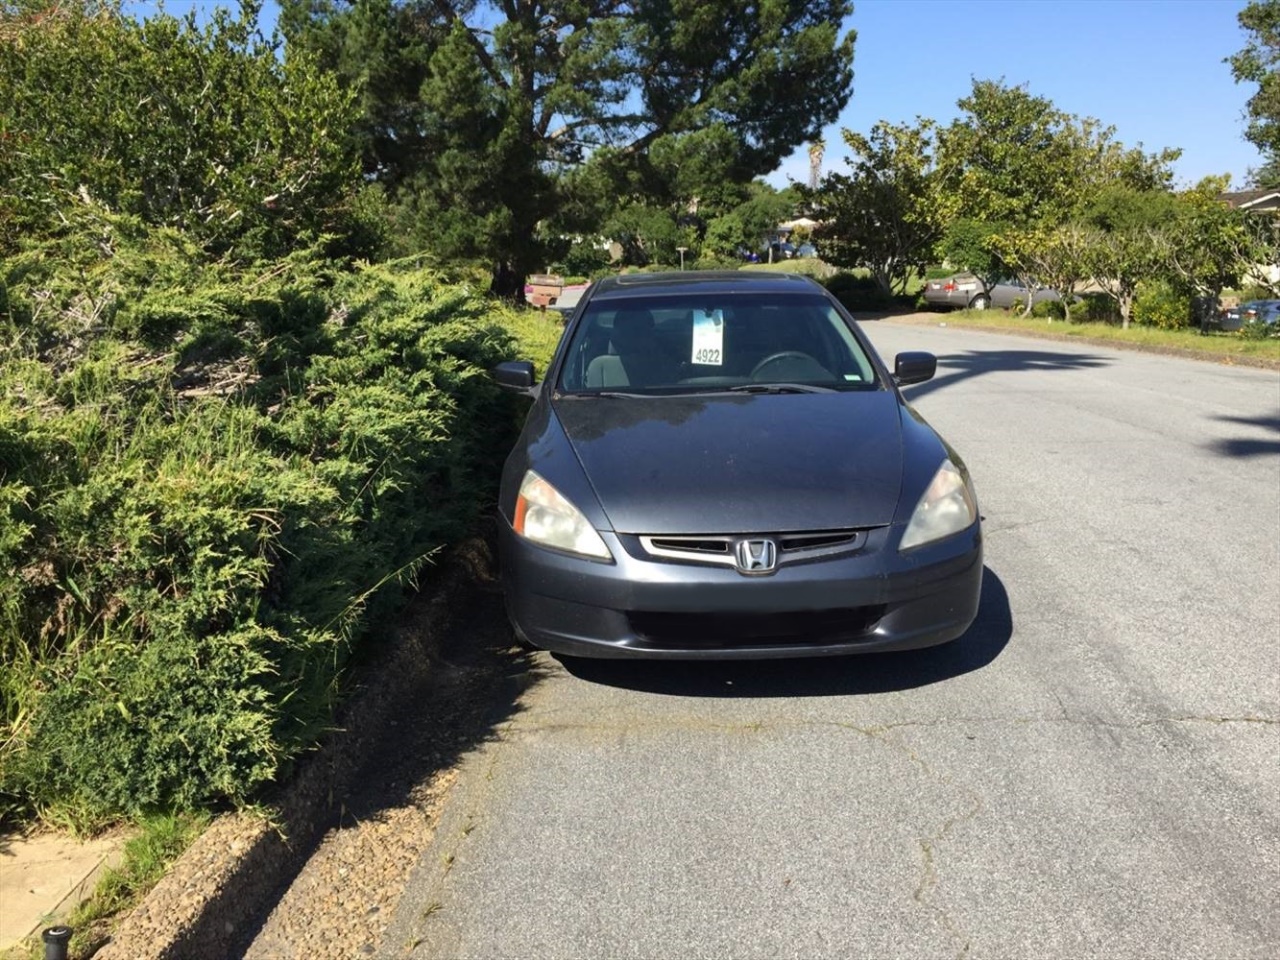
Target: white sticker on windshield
(708, 337)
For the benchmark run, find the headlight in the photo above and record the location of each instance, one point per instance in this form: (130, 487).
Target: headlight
(947, 507)
(546, 517)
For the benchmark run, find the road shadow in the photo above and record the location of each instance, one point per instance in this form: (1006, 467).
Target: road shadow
(956, 367)
(820, 676)
(1238, 447)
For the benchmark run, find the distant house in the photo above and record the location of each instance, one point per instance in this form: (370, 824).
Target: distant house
(1258, 201)
(1254, 201)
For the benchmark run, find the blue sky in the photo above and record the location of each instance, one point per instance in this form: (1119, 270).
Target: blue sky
(1151, 68)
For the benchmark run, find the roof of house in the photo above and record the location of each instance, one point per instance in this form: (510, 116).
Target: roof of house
(1247, 199)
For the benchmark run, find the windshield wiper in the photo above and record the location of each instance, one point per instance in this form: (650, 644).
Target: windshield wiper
(781, 388)
(607, 394)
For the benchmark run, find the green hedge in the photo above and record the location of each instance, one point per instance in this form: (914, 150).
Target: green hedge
(857, 292)
(213, 480)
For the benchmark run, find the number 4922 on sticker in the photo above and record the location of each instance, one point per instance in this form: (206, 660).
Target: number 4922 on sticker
(708, 337)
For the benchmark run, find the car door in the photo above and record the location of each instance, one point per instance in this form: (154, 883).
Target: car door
(1004, 293)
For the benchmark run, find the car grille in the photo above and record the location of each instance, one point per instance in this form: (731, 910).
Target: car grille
(792, 547)
(711, 631)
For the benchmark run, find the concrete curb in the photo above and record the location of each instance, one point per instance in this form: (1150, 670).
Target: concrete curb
(206, 903)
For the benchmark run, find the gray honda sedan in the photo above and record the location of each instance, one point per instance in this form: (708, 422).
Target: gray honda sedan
(718, 465)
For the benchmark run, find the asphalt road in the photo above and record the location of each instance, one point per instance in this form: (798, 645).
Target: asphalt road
(1093, 770)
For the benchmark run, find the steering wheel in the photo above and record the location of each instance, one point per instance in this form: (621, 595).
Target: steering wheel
(780, 356)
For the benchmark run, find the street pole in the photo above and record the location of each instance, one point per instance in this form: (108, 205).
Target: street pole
(682, 250)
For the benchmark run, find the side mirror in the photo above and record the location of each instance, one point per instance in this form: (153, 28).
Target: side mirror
(514, 375)
(914, 367)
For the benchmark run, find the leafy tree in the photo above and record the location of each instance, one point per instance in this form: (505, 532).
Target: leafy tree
(726, 235)
(383, 52)
(1128, 242)
(1119, 260)
(1267, 176)
(1264, 233)
(516, 95)
(1120, 208)
(1056, 258)
(1259, 63)
(201, 128)
(1104, 162)
(971, 245)
(1010, 157)
(647, 234)
(1013, 163)
(1010, 161)
(1210, 246)
(762, 211)
(887, 214)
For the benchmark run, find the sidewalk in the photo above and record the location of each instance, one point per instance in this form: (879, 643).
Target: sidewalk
(43, 876)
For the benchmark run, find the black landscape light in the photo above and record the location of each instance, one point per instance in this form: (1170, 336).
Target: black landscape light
(56, 941)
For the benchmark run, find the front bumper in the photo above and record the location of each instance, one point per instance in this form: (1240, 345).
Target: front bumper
(874, 599)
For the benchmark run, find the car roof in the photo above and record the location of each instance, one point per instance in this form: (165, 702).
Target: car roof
(705, 281)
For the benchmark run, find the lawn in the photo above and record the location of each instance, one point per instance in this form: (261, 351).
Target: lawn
(1224, 346)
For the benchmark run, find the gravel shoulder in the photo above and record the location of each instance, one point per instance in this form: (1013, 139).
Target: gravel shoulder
(319, 871)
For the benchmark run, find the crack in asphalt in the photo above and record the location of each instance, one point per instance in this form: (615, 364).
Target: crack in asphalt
(930, 845)
(928, 883)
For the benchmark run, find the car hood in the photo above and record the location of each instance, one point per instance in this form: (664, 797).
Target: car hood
(740, 464)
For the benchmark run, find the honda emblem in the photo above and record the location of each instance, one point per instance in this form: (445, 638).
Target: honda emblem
(756, 557)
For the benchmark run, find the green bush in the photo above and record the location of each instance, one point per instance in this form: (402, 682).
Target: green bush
(939, 272)
(213, 481)
(1095, 308)
(206, 128)
(1161, 305)
(1048, 310)
(716, 263)
(807, 266)
(583, 258)
(1258, 330)
(857, 293)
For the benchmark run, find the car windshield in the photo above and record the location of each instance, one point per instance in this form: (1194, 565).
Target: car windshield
(700, 342)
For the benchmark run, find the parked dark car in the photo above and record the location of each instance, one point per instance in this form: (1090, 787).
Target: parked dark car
(965, 290)
(1260, 311)
(719, 465)
(1232, 319)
